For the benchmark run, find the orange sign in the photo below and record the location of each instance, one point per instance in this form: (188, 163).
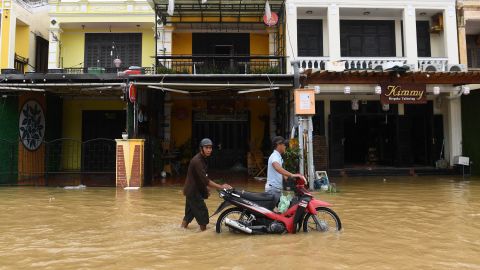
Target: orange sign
(304, 102)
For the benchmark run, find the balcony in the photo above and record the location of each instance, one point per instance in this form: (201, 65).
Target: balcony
(220, 64)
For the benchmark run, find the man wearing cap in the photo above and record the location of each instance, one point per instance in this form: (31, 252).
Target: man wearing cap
(196, 187)
(275, 171)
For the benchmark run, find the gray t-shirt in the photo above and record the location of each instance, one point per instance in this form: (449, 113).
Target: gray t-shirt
(274, 178)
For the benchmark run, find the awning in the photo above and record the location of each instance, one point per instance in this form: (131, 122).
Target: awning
(216, 9)
(375, 77)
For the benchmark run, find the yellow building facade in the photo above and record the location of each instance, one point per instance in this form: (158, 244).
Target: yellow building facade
(23, 37)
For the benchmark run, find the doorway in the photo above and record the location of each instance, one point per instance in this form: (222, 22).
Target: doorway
(230, 135)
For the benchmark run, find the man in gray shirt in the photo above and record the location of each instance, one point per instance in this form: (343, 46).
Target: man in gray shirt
(275, 171)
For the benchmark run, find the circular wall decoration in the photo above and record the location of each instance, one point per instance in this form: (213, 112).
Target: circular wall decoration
(31, 125)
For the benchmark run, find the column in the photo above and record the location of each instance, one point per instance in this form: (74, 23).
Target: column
(291, 36)
(164, 43)
(450, 35)
(8, 25)
(462, 42)
(54, 45)
(333, 20)
(273, 113)
(454, 132)
(410, 35)
(272, 48)
(168, 117)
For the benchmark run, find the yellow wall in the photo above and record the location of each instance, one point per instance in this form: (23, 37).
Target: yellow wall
(5, 31)
(258, 108)
(73, 46)
(181, 128)
(22, 39)
(259, 44)
(182, 43)
(72, 123)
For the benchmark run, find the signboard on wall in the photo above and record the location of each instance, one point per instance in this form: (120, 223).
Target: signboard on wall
(304, 102)
(408, 93)
(31, 125)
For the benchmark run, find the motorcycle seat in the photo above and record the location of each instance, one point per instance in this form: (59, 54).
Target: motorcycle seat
(262, 198)
(256, 196)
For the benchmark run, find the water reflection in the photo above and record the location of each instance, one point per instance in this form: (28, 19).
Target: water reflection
(397, 223)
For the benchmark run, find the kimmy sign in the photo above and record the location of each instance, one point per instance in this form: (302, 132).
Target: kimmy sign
(404, 94)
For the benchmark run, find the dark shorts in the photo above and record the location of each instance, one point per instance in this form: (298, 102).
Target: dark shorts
(195, 207)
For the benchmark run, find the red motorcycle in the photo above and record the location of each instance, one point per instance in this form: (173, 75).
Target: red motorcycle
(253, 213)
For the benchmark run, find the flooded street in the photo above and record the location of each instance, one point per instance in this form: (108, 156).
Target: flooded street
(393, 223)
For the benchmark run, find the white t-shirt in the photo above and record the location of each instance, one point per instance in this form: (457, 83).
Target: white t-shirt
(274, 178)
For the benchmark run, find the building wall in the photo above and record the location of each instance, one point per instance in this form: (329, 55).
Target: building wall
(471, 133)
(259, 44)
(8, 140)
(182, 43)
(72, 124)
(22, 34)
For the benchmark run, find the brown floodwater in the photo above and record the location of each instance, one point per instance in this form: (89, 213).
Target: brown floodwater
(396, 223)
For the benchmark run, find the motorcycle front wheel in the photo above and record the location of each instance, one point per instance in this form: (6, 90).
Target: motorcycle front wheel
(233, 214)
(327, 219)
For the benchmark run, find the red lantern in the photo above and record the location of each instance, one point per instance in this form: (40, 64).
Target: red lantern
(132, 93)
(273, 20)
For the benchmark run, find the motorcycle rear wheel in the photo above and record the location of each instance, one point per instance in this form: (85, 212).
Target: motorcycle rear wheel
(328, 219)
(232, 213)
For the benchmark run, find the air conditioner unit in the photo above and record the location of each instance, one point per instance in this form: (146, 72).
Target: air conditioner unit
(457, 68)
(432, 67)
(437, 23)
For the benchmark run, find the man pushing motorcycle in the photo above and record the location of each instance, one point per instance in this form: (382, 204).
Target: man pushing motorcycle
(275, 172)
(196, 187)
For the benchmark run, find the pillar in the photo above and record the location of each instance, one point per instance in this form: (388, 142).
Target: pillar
(54, 46)
(8, 25)
(164, 43)
(130, 163)
(333, 21)
(291, 36)
(410, 35)
(450, 34)
(454, 132)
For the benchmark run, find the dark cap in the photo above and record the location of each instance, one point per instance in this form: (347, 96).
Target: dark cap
(278, 140)
(206, 142)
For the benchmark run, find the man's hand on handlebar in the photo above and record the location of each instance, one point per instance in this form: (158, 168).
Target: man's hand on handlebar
(226, 186)
(297, 175)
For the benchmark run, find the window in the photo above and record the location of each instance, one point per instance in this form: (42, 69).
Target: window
(99, 52)
(423, 39)
(367, 38)
(473, 51)
(310, 37)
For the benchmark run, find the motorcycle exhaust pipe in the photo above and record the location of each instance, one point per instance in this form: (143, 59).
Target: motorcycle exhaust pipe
(236, 225)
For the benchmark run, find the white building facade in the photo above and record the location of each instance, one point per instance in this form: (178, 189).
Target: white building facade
(348, 48)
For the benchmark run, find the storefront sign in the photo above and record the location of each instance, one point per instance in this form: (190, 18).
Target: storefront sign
(404, 94)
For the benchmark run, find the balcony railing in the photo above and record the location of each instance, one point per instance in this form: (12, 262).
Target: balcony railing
(439, 64)
(220, 64)
(97, 70)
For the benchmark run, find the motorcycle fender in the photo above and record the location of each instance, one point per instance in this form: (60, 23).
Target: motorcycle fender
(312, 206)
(222, 206)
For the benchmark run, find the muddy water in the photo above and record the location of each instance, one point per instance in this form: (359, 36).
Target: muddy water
(397, 223)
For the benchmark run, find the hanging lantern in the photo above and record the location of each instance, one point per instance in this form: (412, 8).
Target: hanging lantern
(132, 93)
(355, 105)
(386, 107)
(117, 62)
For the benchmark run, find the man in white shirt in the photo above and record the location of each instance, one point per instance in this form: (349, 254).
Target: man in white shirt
(275, 171)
